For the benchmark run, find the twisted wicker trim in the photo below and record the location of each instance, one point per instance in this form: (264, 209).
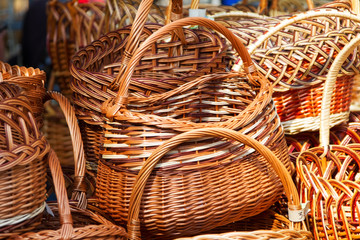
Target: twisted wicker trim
(21, 218)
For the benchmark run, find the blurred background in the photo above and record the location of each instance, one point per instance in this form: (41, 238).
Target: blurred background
(12, 14)
(23, 31)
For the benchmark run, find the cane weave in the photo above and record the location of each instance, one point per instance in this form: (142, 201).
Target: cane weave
(75, 223)
(239, 101)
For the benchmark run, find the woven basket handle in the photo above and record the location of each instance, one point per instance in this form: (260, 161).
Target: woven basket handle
(329, 88)
(135, 33)
(61, 196)
(158, 153)
(111, 106)
(79, 191)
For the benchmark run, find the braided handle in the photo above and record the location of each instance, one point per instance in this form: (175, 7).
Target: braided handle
(111, 106)
(329, 88)
(135, 33)
(79, 191)
(157, 154)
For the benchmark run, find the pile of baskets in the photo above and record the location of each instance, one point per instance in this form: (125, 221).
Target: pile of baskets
(174, 127)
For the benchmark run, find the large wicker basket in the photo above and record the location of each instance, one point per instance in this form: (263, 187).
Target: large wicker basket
(296, 55)
(136, 126)
(22, 162)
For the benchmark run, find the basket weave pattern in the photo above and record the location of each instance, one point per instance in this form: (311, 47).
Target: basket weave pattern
(296, 54)
(239, 101)
(96, 66)
(70, 26)
(335, 184)
(23, 162)
(32, 81)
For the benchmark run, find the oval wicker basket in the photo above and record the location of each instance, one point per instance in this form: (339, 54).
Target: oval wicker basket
(22, 162)
(296, 54)
(136, 126)
(165, 67)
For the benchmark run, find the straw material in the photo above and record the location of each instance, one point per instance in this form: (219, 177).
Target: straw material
(239, 101)
(202, 212)
(32, 81)
(22, 161)
(296, 54)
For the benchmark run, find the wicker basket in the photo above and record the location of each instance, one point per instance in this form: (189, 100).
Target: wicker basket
(296, 55)
(22, 162)
(206, 200)
(94, 69)
(86, 225)
(329, 174)
(239, 101)
(32, 81)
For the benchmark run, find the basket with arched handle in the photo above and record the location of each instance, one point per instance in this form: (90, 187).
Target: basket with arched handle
(205, 203)
(137, 124)
(296, 54)
(95, 68)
